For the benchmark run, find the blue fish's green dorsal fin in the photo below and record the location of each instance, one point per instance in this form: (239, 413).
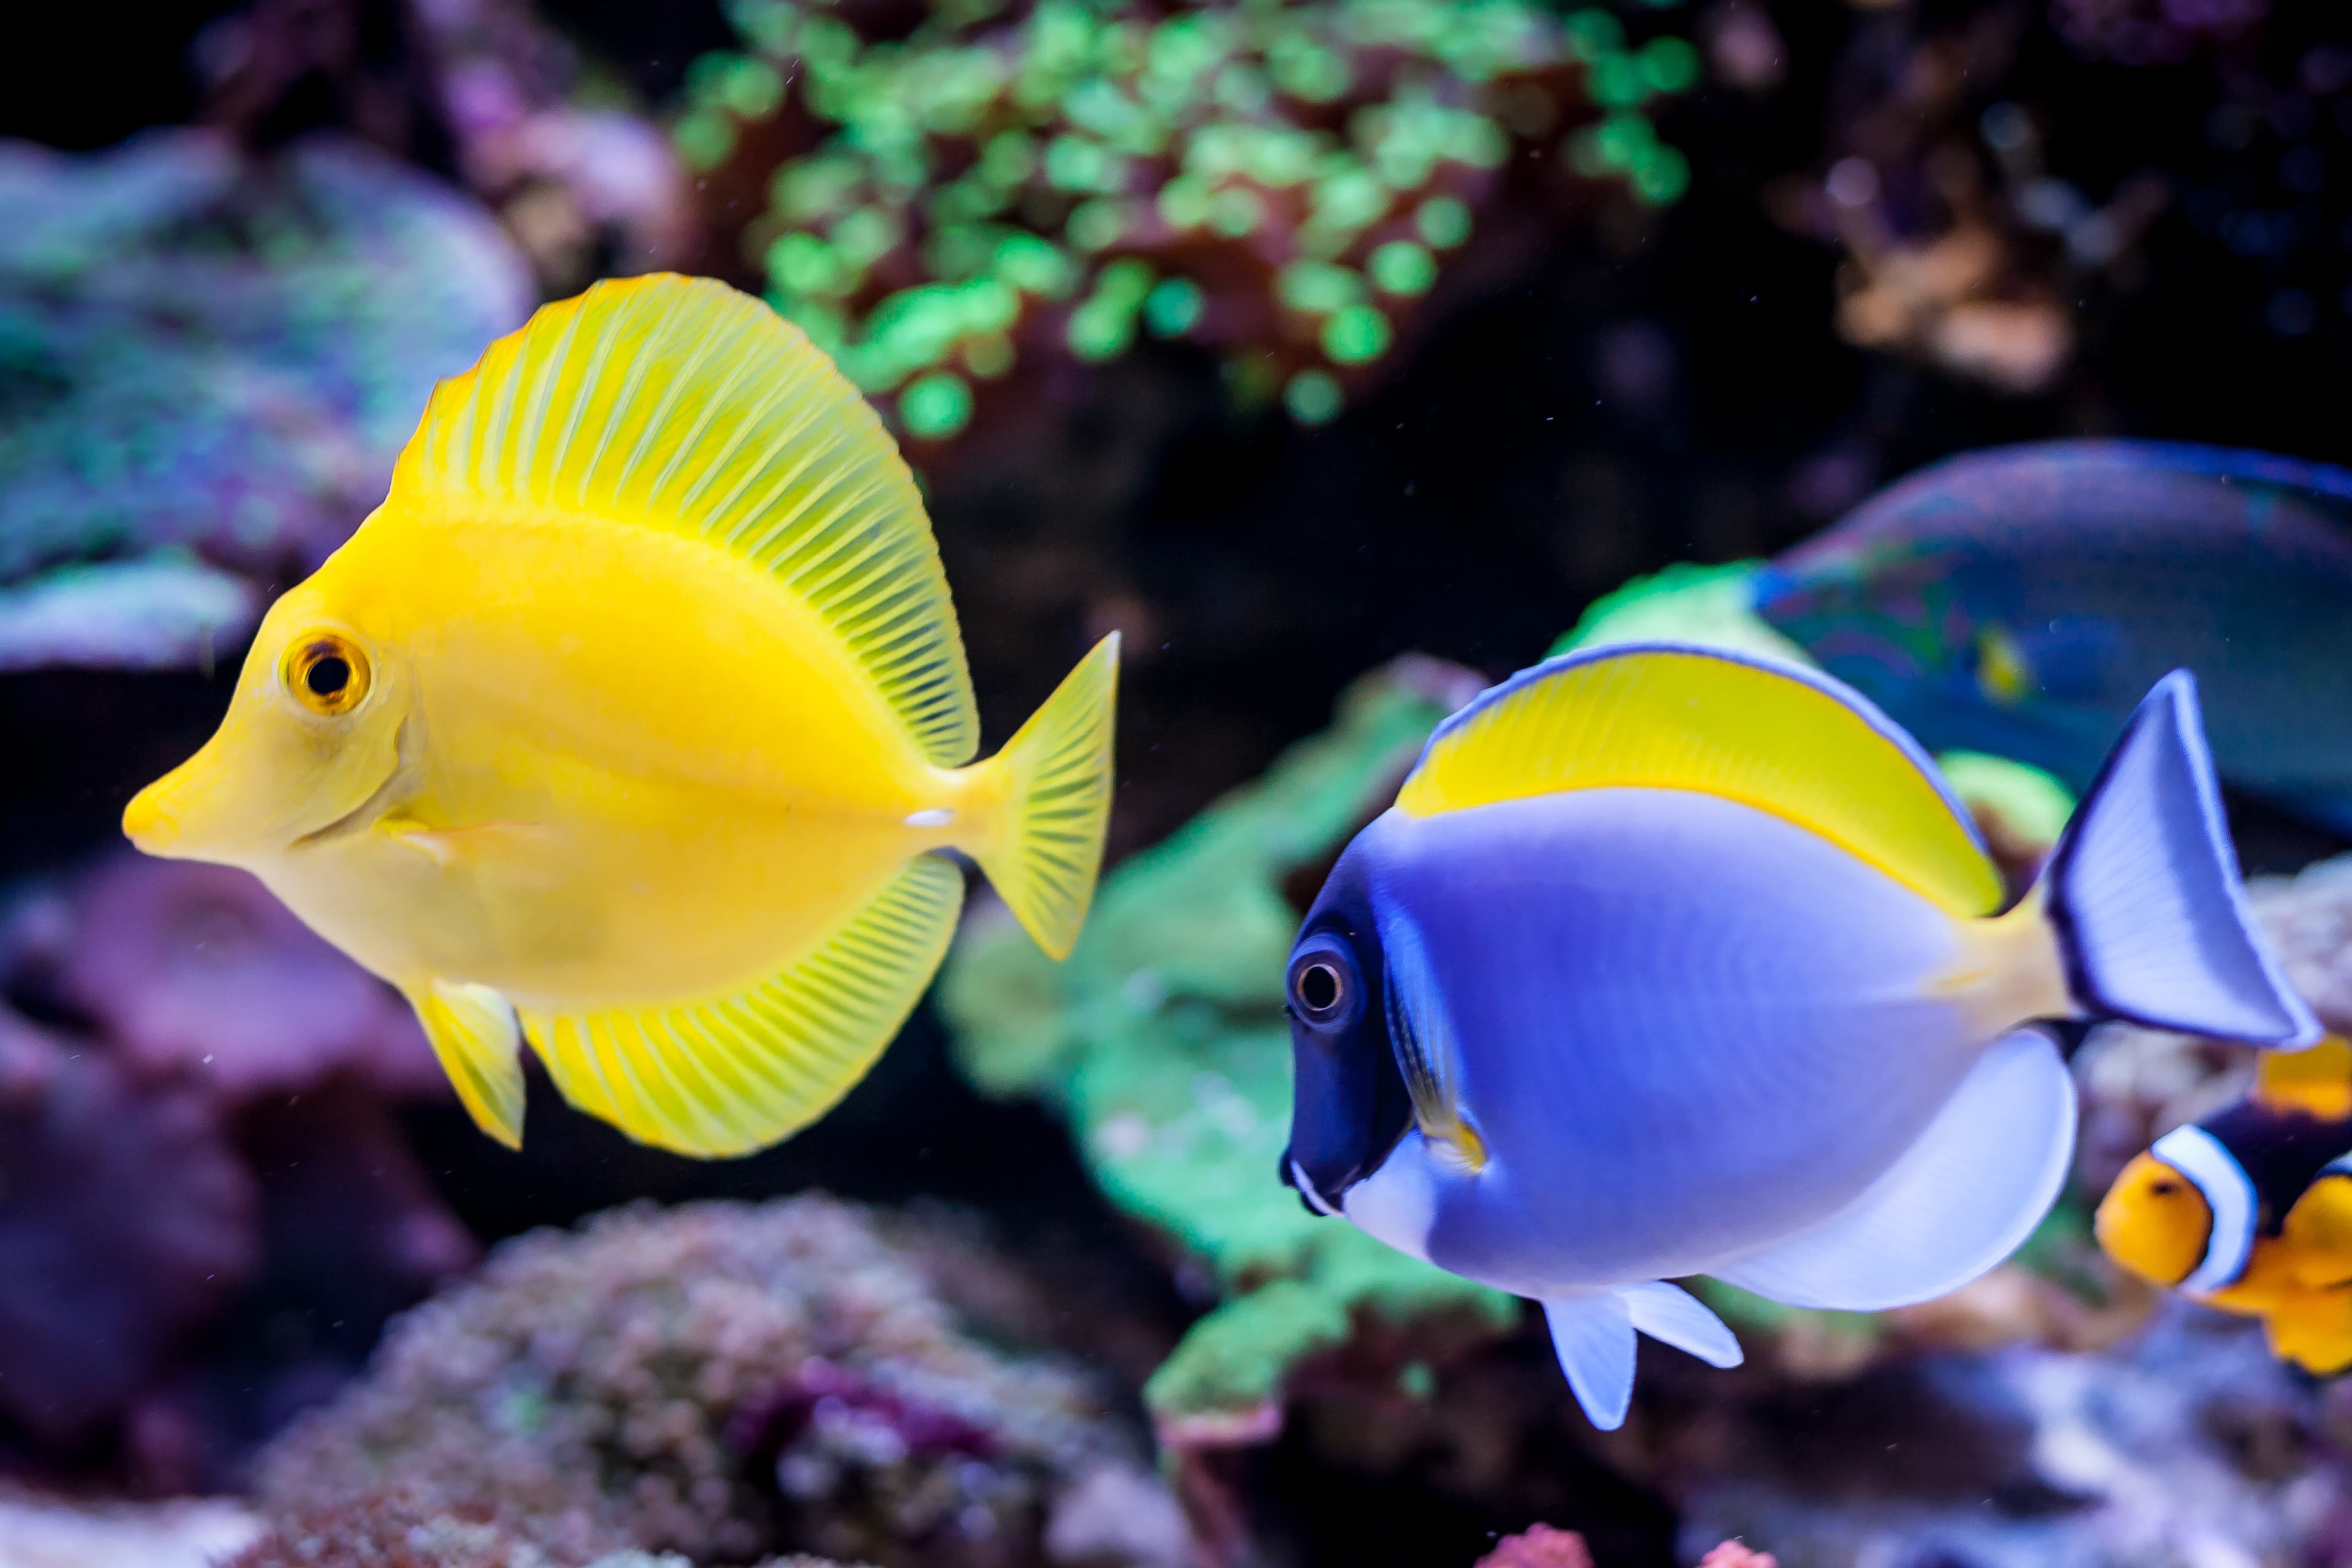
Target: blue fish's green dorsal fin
(682, 405)
(1663, 716)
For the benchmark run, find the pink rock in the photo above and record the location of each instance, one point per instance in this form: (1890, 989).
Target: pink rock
(1542, 1546)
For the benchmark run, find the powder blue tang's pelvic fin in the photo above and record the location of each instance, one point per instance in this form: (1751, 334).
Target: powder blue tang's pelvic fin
(2019, 601)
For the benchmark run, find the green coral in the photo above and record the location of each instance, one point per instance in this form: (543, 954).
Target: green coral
(1710, 605)
(1164, 1042)
(1045, 170)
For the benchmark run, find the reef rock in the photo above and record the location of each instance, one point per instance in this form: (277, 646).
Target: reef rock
(2189, 1445)
(722, 1380)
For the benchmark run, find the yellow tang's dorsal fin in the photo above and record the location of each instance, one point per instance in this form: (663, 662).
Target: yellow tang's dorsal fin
(681, 404)
(1664, 716)
(2317, 1081)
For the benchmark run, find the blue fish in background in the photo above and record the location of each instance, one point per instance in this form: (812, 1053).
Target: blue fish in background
(2019, 601)
(1670, 961)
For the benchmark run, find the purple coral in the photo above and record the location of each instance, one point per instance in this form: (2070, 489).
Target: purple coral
(126, 1221)
(718, 1379)
(194, 972)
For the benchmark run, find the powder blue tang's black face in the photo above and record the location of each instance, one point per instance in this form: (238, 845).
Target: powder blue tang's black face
(1349, 1105)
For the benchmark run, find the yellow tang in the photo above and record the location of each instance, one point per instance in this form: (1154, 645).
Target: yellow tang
(638, 710)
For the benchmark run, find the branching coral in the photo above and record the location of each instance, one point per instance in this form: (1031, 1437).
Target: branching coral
(718, 1380)
(1163, 1040)
(1278, 181)
(207, 353)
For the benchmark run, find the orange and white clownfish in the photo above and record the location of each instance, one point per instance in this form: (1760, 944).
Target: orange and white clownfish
(2251, 1209)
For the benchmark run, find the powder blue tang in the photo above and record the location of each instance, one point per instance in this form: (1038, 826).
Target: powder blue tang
(1671, 961)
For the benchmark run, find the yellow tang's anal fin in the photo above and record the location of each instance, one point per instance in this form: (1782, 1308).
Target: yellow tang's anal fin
(680, 404)
(1788, 740)
(2317, 1081)
(727, 1075)
(475, 1035)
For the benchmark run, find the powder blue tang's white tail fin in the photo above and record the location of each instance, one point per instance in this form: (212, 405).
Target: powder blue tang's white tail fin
(1593, 1336)
(2143, 889)
(1960, 1200)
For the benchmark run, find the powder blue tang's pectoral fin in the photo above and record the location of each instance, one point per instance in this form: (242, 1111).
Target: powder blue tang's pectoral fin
(1672, 1315)
(1964, 1197)
(1594, 1337)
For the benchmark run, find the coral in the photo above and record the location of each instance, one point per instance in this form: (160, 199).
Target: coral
(194, 972)
(158, 612)
(126, 1222)
(718, 1380)
(2308, 919)
(1539, 1546)
(208, 1164)
(2032, 1457)
(1276, 182)
(1162, 1040)
(397, 1530)
(1735, 1555)
(218, 354)
(39, 1531)
(585, 185)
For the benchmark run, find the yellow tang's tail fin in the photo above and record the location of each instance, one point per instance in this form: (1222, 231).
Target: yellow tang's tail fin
(1052, 789)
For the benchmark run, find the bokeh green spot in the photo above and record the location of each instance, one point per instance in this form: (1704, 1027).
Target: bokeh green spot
(1312, 397)
(936, 406)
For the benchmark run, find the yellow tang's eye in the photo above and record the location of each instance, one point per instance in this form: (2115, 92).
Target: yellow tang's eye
(326, 673)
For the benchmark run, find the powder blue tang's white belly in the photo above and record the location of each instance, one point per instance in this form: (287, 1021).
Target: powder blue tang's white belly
(1685, 1028)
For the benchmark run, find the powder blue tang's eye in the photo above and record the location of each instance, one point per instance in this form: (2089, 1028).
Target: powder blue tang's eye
(1349, 1105)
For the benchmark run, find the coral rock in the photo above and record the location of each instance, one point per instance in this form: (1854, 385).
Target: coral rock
(718, 1380)
(126, 1220)
(196, 972)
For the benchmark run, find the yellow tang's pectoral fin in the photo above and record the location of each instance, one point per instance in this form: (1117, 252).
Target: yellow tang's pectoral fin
(2317, 1081)
(727, 1075)
(474, 1033)
(1658, 716)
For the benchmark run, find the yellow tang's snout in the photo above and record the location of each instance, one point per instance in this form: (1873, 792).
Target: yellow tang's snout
(2153, 1222)
(312, 742)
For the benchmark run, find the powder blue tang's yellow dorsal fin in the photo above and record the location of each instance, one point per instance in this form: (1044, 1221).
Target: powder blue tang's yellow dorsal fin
(681, 404)
(1663, 716)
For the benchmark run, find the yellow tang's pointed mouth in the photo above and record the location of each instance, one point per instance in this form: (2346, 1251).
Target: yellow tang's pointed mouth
(147, 823)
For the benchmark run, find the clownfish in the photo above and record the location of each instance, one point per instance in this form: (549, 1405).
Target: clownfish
(1670, 961)
(2251, 1209)
(634, 724)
